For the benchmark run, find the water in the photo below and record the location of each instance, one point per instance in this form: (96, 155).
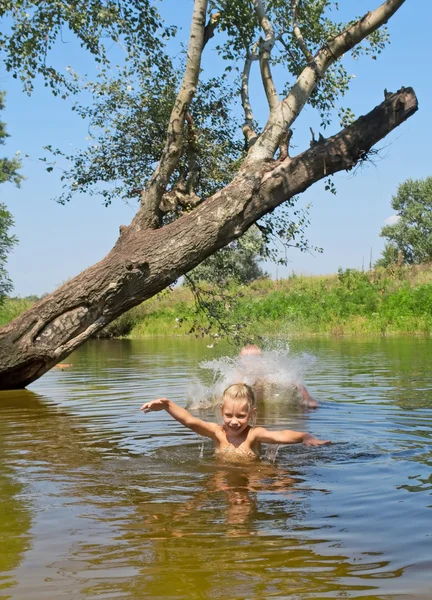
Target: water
(274, 372)
(101, 501)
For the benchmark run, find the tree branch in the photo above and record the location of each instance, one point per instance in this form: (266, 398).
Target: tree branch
(210, 27)
(339, 152)
(249, 123)
(149, 215)
(298, 34)
(290, 107)
(266, 47)
(142, 263)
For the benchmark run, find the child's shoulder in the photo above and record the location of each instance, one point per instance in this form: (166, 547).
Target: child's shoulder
(255, 433)
(219, 430)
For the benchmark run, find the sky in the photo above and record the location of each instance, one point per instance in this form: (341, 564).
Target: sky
(57, 242)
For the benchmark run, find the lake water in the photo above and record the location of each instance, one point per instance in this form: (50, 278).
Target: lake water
(101, 501)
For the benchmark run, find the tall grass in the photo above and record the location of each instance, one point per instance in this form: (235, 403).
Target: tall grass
(13, 307)
(380, 302)
(397, 300)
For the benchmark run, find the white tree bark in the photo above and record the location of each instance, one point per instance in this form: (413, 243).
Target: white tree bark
(284, 115)
(152, 196)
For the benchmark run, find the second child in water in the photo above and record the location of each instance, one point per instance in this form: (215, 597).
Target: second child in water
(237, 435)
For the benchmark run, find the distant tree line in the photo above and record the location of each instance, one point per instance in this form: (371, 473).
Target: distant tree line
(409, 238)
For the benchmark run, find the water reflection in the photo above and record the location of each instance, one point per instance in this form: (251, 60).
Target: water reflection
(100, 502)
(16, 518)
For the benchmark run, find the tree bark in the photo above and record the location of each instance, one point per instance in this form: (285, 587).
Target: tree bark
(144, 260)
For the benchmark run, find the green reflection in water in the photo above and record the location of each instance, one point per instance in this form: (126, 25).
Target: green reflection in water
(100, 502)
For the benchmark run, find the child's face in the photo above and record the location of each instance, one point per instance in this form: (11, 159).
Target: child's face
(236, 415)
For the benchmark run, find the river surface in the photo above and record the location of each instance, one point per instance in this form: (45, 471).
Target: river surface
(101, 501)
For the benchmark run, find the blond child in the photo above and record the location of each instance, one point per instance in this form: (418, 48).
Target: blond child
(237, 435)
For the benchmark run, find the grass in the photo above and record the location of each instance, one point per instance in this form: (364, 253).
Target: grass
(396, 301)
(13, 307)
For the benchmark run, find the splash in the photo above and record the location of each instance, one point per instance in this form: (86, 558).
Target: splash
(272, 373)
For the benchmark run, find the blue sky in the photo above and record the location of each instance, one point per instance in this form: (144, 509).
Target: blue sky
(57, 242)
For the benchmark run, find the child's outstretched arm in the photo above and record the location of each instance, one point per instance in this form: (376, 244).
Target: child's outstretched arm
(182, 416)
(286, 436)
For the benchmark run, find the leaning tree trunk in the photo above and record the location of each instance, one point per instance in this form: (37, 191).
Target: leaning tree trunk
(144, 261)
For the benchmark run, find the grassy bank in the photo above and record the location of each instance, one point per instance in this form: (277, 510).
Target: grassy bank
(13, 307)
(380, 302)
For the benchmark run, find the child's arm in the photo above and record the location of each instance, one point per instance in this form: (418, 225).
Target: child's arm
(286, 436)
(182, 416)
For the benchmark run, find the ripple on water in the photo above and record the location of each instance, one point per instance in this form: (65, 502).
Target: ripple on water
(99, 500)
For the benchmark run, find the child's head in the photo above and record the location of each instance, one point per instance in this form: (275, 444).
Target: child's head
(238, 405)
(251, 350)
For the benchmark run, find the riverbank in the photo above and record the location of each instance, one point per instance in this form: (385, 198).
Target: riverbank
(382, 302)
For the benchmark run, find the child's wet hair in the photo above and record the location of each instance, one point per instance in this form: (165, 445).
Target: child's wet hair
(241, 392)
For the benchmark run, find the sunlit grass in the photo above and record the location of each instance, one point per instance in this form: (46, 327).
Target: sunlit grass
(13, 307)
(351, 303)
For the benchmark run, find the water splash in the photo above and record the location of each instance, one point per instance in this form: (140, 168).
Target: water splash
(271, 451)
(274, 374)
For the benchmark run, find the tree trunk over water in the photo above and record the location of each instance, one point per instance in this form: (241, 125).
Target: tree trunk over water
(144, 261)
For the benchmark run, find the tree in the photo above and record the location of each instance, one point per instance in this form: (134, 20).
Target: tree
(237, 262)
(31, 29)
(154, 250)
(409, 238)
(215, 285)
(6, 244)
(8, 173)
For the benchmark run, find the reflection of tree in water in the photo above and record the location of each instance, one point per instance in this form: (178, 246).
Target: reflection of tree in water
(41, 446)
(15, 523)
(16, 509)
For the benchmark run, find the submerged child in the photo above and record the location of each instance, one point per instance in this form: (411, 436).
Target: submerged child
(254, 351)
(236, 435)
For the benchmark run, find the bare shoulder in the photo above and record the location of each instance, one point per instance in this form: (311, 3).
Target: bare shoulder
(256, 433)
(219, 431)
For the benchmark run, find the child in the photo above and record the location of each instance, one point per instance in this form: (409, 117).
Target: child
(236, 435)
(255, 351)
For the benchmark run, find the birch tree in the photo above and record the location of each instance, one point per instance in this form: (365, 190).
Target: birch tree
(158, 246)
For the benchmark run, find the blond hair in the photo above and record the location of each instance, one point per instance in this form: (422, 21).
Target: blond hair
(241, 392)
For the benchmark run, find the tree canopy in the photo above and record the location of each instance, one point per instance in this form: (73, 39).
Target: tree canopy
(131, 100)
(409, 238)
(9, 168)
(31, 29)
(131, 105)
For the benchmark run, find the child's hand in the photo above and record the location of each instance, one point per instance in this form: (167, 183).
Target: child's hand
(310, 440)
(159, 404)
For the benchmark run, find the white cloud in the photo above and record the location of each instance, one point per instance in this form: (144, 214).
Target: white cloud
(391, 220)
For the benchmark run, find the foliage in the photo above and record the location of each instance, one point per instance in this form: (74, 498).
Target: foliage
(128, 118)
(6, 244)
(410, 238)
(11, 308)
(236, 263)
(8, 166)
(378, 302)
(31, 30)
(130, 103)
(214, 285)
(243, 33)
(8, 173)
(128, 107)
